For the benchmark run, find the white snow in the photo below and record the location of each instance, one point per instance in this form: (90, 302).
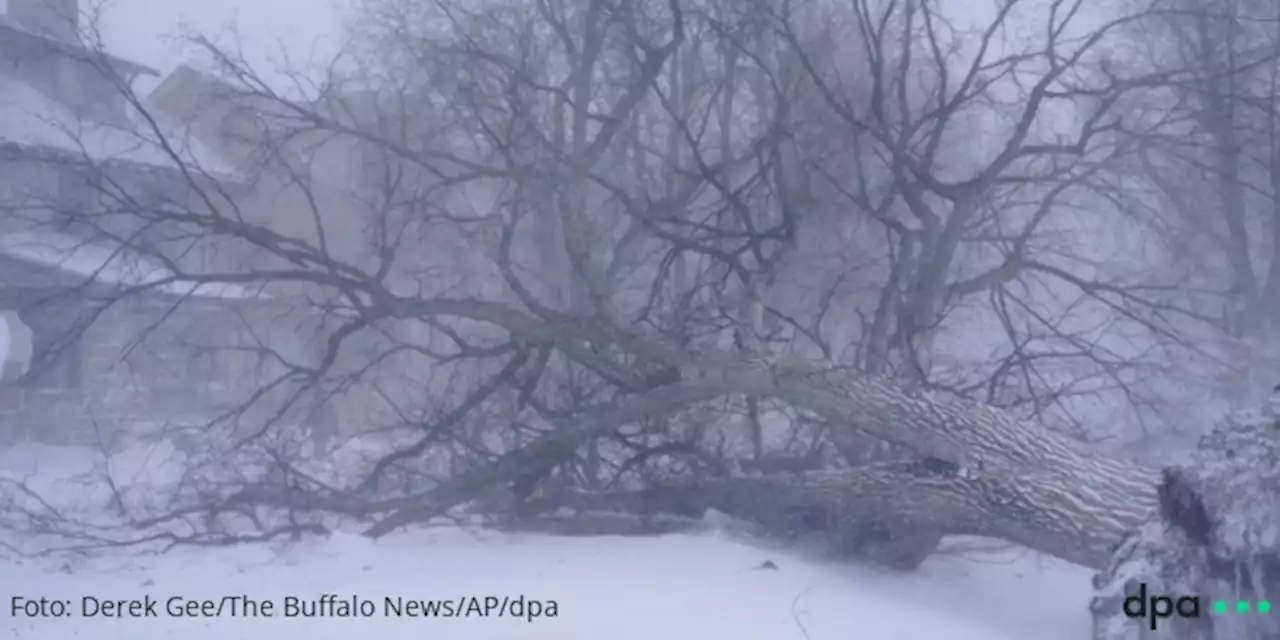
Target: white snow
(679, 586)
(690, 586)
(29, 117)
(111, 265)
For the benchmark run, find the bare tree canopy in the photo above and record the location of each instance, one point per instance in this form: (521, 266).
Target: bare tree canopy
(886, 270)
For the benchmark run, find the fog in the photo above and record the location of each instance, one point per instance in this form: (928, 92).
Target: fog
(151, 31)
(716, 316)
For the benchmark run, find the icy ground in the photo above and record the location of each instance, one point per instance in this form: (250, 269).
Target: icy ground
(694, 586)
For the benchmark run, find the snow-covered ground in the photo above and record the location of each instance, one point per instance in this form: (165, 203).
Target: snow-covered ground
(690, 586)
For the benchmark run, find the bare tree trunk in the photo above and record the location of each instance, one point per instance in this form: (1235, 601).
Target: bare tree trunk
(1002, 477)
(1037, 487)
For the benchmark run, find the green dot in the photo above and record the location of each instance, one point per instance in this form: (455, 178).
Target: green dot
(1264, 606)
(1242, 606)
(1220, 606)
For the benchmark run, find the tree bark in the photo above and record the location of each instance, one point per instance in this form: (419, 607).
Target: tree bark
(1009, 478)
(1019, 480)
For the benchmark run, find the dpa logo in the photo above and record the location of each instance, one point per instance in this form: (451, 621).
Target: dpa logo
(1142, 604)
(1157, 608)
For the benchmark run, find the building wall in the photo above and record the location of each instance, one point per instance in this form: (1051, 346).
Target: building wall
(139, 362)
(83, 87)
(55, 18)
(139, 365)
(319, 189)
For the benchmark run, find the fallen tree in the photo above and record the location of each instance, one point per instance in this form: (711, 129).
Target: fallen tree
(976, 469)
(893, 514)
(981, 471)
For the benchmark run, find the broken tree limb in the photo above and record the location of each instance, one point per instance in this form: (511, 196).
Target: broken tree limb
(513, 464)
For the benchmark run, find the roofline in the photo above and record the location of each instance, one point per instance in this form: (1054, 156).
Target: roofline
(49, 153)
(168, 84)
(67, 280)
(76, 50)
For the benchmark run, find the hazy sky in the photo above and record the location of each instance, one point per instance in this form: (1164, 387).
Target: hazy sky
(141, 30)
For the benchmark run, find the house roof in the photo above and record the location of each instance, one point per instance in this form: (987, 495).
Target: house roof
(184, 86)
(114, 266)
(30, 118)
(233, 120)
(12, 30)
